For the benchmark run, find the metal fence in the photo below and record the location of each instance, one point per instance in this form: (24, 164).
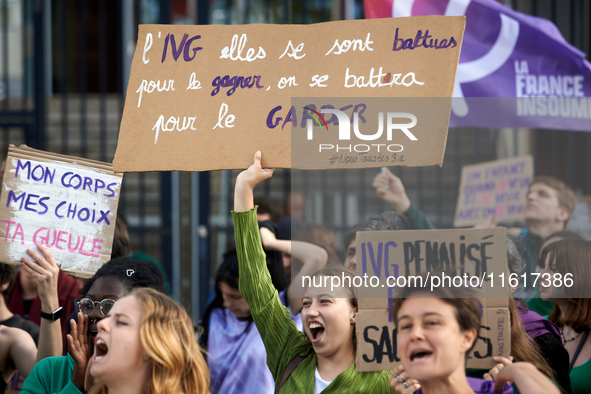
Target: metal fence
(63, 73)
(64, 66)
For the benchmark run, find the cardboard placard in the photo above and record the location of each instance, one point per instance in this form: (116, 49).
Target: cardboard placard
(478, 257)
(66, 203)
(496, 188)
(207, 97)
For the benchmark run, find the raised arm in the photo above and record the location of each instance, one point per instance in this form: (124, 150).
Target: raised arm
(313, 258)
(246, 181)
(46, 271)
(391, 189)
(281, 337)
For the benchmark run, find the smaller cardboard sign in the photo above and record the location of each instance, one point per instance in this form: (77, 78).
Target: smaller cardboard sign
(377, 348)
(474, 258)
(390, 260)
(497, 188)
(65, 203)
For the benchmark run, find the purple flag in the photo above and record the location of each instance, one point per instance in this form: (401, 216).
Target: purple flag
(515, 70)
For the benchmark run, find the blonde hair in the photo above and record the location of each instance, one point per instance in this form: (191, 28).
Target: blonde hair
(168, 338)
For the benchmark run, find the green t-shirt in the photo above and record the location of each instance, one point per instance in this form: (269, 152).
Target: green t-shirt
(580, 378)
(51, 375)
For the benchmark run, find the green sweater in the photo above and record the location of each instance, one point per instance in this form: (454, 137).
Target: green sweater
(51, 375)
(282, 340)
(417, 219)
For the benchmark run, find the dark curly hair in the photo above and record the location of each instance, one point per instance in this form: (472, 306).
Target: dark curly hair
(132, 273)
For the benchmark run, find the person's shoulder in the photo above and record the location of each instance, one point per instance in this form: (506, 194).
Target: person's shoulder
(218, 313)
(12, 332)
(271, 225)
(29, 327)
(20, 322)
(549, 342)
(17, 321)
(375, 375)
(379, 380)
(17, 339)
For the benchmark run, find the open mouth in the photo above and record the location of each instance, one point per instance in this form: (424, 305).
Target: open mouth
(316, 332)
(419, 355)
(100, 349)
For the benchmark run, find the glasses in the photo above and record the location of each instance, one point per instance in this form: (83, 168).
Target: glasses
(87, 305)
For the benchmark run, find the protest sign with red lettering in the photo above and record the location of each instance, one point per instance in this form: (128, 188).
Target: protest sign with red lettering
(497, 188)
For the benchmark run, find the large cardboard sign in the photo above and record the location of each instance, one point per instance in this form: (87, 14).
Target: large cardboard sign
(453, 258)
(65, 203)
(497, 188)
(207, 97)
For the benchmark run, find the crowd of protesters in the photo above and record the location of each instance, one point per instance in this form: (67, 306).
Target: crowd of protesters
(120, 332)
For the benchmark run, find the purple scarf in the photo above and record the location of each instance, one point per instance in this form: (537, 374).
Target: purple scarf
(481, 386)
(536, 325)
(236, 357)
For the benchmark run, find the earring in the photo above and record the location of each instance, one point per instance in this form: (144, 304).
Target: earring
(145, 357)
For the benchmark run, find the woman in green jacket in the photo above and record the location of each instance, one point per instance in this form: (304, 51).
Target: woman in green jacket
(322, 359)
